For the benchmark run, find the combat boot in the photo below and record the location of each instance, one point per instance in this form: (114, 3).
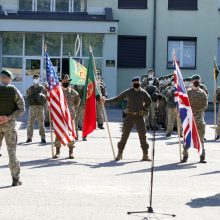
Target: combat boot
(184, 160)
(16, 182)
(119, 156)
(145, 158)
(57, 155)
(100, 126)
(71, 153)
(202, 159)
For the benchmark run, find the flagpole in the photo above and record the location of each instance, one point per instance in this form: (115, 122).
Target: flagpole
(214, 99)
(103, 107)
(51, 134)
(178, 127)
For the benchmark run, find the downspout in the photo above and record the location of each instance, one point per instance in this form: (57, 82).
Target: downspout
(154, 34)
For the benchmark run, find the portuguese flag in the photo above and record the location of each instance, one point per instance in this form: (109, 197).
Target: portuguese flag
(89, 123)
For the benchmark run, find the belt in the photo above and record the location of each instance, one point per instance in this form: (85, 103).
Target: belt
(140, 113)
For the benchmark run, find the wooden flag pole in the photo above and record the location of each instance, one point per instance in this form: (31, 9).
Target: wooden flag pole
(178, 127)
(103, 107)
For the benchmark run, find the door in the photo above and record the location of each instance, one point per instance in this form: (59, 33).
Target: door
(32, 67)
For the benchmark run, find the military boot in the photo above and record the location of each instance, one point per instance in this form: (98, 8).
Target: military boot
(185, 158)
(57, 155)
(71, 153)
(202, 159)
(145, 158)
(119, 156)
(16, 182)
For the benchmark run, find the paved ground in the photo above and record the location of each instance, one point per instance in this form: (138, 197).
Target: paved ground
(94, 187)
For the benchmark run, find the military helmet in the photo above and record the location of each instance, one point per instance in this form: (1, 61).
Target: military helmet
(7, 73)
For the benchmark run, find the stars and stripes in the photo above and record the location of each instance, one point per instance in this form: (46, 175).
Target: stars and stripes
(190, 132)
(62, 121)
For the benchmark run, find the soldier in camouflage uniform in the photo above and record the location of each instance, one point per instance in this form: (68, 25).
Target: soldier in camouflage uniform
(73, 101)
(36, 98)
(199, 103)
(99, 111)
(12, 106)
(80, 109)
(138, 100)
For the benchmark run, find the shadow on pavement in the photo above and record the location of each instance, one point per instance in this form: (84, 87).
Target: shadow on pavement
(204, 202)
(6, 187)
(166, 167)
(209, 173)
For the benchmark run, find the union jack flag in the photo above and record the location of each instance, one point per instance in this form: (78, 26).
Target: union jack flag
(190, 132)
(62, 121)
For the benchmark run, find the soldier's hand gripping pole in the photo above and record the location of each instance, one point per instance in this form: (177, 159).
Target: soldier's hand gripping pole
(103, 107)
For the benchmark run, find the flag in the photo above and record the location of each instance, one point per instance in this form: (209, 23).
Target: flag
(190, 132)
(77, 72)
(216, 70)
(62, 121)
(89, 123)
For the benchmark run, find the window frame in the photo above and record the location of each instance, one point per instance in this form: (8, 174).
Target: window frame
(127, 7)
(186, 8)
(173, 38)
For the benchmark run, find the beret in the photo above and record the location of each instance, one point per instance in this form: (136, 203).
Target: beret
(196, 77)
(136, 78)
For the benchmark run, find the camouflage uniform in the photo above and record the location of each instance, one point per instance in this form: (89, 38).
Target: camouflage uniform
(199, 103)
(73, 100)
(36, 110)
(137, 103)
(8, 131)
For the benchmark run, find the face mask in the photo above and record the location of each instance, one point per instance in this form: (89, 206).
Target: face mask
(196, 83)
(36, 81)
(150, 76)
(136, 85)
(65, 85)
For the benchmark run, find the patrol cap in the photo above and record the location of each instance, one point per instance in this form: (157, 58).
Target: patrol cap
(136, 78)
(196, 77)
(65, 76)
(7, 73)
(36, 76)
(150, 70)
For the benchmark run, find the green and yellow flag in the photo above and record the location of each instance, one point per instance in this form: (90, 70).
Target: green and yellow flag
(77, 72)
(216, 70)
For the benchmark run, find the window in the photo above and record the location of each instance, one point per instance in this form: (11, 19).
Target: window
(53, 5)
(185, 50)
(33, 44)
(53, 42)
(25, 5)
(131, 4)
(71, 45)
(182, 5)
(132, 51)
(43, 5)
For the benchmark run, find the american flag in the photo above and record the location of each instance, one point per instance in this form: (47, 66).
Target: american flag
(62, 121)
(190, 132)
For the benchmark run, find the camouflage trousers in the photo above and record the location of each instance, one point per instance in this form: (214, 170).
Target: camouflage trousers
(201, 131)
(129, 122)
(46, 113)
(172, 118)
(8, 132)
(79, 117)
(36, 112)
(150, 117)
(58, 144)
(99, 113)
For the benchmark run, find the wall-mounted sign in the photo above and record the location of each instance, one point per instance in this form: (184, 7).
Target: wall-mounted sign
(110, 63)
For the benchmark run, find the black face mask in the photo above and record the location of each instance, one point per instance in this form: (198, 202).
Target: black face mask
(196, 83)
(65, 85)
(136, 85)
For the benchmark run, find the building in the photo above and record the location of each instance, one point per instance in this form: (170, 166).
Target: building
(127, 36)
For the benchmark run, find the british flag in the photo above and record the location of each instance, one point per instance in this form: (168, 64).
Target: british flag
(62, 121)
(190, 132)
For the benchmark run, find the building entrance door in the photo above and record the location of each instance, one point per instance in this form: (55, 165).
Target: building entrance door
(32, 66)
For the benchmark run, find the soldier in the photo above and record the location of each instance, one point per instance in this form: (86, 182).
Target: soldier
(138, 100)
(12, 106)
(73, 101)
(172, 115)
(199, 103)
(99, 111)
(150, 79)
(36, 98)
